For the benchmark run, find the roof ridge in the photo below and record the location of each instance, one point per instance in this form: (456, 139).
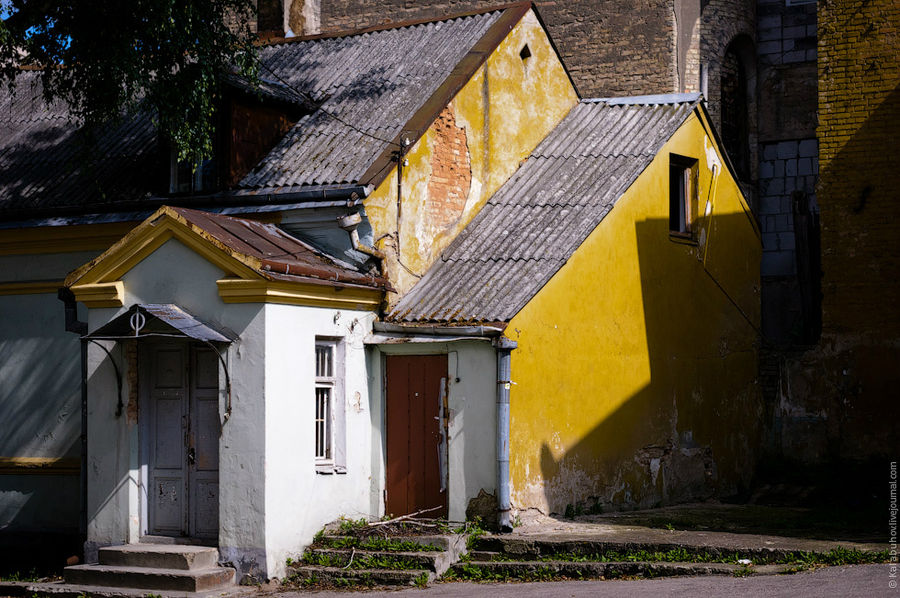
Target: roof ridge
(646, 100)
(390, 25)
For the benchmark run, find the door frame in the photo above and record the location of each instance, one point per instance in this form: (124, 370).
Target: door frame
(143, 426)
(445, 424)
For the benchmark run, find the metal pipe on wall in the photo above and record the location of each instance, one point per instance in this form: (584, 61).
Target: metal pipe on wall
(504, 349)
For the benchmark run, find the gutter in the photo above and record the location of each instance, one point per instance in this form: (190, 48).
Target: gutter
(80, 328)
(432, 330)
(221, 203)
(504, 348)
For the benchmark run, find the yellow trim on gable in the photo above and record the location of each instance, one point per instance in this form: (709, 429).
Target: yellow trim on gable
(147, 237)
(62, 239)
(103, 294)
(233, 290)
(30, 287)
(39, 466)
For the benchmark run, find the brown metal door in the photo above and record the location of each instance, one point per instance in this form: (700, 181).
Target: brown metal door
(415, 453)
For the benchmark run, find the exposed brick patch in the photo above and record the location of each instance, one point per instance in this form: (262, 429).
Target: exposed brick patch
(451, 172)
(131, 364)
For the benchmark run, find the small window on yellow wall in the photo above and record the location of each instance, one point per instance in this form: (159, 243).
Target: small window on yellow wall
(682, 195)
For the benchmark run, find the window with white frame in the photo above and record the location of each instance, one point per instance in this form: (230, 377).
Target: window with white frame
(329, 407)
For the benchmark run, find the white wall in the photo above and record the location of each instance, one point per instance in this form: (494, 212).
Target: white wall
(472, 450)
(299, 501)
(40, 396)
(175, 274)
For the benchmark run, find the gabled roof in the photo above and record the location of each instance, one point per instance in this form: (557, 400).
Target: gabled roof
(372, 87)
(364, 89)
(530, 227)
(242, 248)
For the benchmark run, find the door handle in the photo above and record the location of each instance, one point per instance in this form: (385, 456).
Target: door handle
(191, 456)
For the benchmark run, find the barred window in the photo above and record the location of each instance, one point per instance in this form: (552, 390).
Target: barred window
(325, 390)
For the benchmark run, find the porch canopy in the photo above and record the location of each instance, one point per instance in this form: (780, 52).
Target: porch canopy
(157, 320)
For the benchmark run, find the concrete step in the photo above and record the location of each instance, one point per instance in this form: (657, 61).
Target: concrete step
(378, 577)
(150, 578)
(483, 555)
(524, 549)
(537, 570)
(436, 562)
(452, 542)
(60, 589)
(157, 556)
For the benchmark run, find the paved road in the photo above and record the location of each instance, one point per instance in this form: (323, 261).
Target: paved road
(860, 581)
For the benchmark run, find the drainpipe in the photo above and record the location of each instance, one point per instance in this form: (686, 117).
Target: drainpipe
(504, 349)
(349, 223)
(80, 328)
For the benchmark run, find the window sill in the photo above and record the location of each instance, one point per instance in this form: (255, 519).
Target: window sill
(330, 469)
(682, 238)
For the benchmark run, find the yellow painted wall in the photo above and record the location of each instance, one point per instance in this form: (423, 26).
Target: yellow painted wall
(506, 109)
(635, 372)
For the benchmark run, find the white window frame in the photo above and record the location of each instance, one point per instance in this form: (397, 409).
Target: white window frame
(330, 452)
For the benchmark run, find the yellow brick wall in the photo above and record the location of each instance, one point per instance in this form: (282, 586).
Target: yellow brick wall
(837, 401)
(859, 132)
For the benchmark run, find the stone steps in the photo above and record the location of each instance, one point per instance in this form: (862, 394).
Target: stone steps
(154, 567)
(531, 570)
(430, 561)
(525, 549)
(377, 577)
(338, 566)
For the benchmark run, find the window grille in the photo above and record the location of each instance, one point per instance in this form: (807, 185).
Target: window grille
(325, 384)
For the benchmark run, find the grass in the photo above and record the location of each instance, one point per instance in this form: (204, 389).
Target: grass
(421, 581)
(795, 562)
(32, 575)
(836, 556)
(375, 543)
(360, 561)
(468, 572)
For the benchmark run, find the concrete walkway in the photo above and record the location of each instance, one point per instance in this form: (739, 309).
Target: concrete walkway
(647, 527)
(861, 581)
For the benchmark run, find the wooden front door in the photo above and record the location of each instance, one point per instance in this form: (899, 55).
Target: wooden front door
(181, 428)
(416, 434)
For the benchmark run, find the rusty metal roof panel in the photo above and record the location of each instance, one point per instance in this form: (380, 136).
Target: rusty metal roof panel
(274, 253)
(369, 86)
(532, 225)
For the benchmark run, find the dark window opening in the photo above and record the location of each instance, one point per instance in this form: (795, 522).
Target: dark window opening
(682, 195)
(184, 178)
(735, 125)
(525, 53)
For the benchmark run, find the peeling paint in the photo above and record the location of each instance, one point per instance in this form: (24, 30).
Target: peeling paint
(499, 117)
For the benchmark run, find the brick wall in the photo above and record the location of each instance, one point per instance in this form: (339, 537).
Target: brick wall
(610, 48)
(859, 128)
(836, 402)
(451, 172)
(788, 154)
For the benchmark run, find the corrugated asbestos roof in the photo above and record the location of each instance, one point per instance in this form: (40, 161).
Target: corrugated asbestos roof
(368, 86)
(530, 227)
(47, 162)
